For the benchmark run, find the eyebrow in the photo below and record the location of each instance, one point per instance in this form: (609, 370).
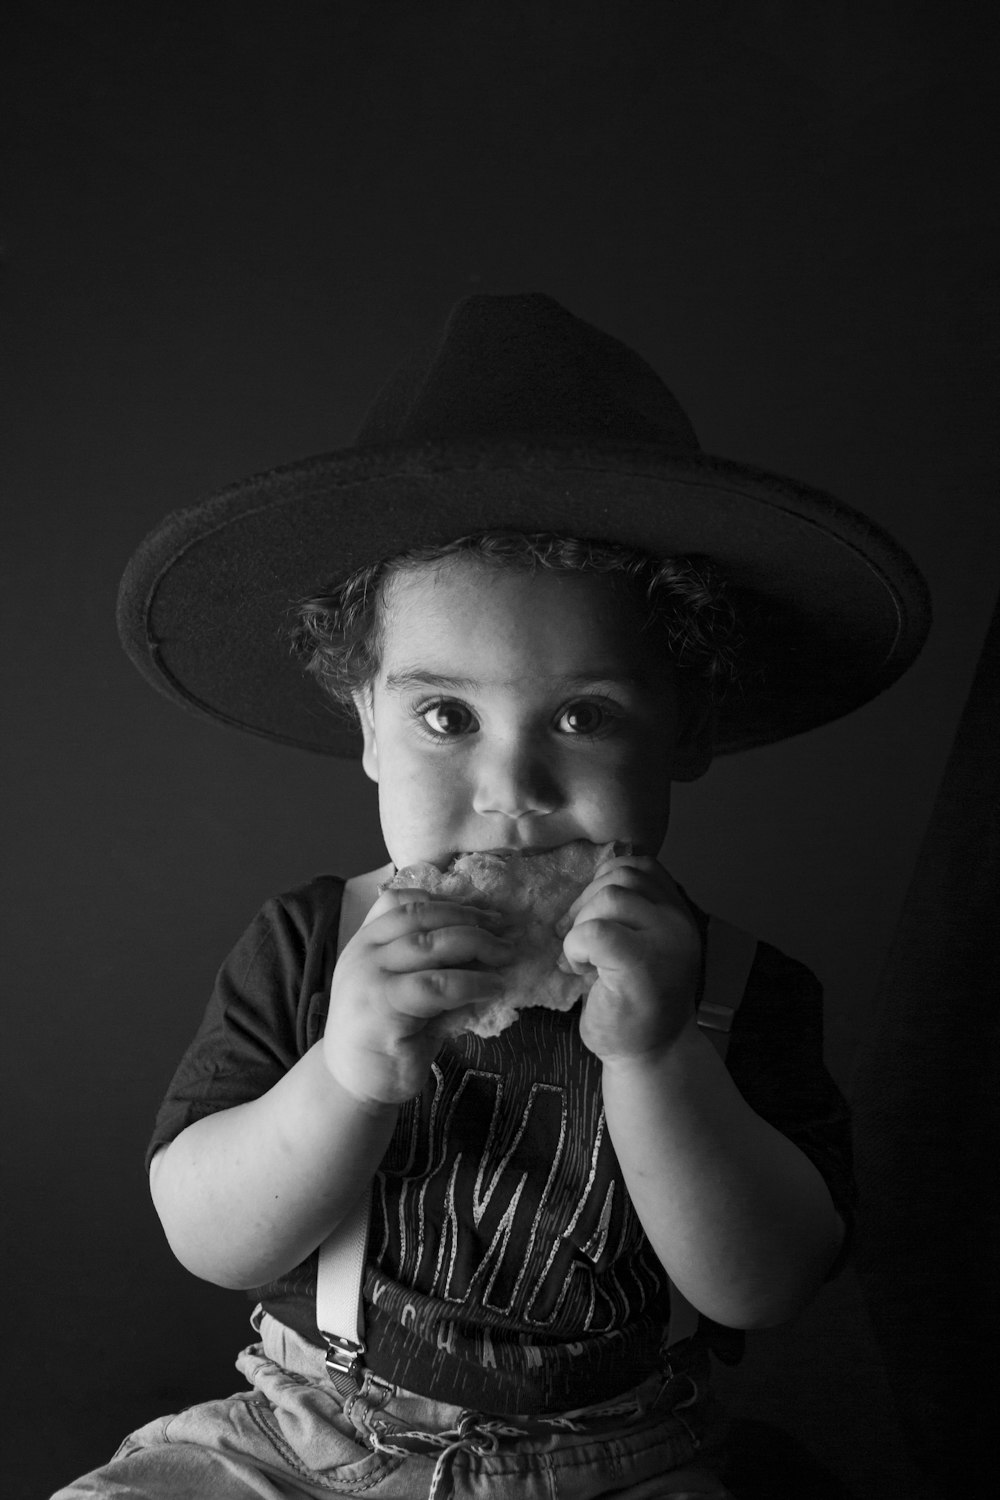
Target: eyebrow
(402, 681)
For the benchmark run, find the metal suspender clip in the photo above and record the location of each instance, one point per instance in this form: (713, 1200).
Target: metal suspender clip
(343, 1356)
(341, 1258)
(715, 1017)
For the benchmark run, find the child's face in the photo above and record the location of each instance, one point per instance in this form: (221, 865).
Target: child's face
(520, 710)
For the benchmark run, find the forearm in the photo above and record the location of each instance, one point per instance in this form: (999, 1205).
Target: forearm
(740, 1218)
(245, 1194)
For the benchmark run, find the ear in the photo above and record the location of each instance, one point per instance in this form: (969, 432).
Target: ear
(369, 757)
(695, 738)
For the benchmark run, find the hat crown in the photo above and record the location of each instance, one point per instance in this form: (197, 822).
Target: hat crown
(519, 416)
(523, 366)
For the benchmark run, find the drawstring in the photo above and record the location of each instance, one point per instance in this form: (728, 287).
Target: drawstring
(678, 1408)
(442, 1467)
(482, 1435)
(470, 1436)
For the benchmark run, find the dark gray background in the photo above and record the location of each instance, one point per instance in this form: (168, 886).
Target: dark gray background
(224, 225)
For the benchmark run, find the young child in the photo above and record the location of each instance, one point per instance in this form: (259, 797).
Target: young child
(534, 589)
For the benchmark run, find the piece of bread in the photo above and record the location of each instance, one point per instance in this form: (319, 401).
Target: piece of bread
(533, 889)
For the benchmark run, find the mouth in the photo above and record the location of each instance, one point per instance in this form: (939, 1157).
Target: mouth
(524, 851)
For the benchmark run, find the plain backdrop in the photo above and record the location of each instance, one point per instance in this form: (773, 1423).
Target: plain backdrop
(225, 223)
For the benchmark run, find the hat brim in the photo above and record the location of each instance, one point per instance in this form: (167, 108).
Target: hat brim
(837, 610)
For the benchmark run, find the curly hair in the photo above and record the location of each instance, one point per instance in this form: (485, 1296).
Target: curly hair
(338, 636)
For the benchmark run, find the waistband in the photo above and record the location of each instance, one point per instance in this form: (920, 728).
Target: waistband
(659, 1394)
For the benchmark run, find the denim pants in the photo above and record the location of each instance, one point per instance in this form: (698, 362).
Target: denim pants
(291, 1436)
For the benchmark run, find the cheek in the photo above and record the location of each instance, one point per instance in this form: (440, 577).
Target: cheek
(416, 788)
(422, 812)
(637, 787)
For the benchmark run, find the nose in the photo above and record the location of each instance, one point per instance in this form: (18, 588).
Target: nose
(514, 780)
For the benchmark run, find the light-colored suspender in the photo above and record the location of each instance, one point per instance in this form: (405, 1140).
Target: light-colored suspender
(341, 1270)
(729, 955)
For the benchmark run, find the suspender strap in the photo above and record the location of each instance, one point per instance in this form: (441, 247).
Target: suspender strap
(341, 1272)
(729, 955)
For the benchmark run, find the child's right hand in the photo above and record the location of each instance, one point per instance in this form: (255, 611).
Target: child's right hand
(397, 975)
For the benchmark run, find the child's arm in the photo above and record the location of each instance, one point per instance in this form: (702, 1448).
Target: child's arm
(246, 1193)
(740, 1218)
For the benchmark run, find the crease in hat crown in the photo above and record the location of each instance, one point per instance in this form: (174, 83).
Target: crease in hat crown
(523, 366)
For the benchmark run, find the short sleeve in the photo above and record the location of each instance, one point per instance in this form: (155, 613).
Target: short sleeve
(266, 1010)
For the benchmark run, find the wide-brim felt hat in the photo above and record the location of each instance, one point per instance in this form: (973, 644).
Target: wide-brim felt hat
(519, 416)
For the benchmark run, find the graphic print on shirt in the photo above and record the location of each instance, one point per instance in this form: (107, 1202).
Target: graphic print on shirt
(504, 1191)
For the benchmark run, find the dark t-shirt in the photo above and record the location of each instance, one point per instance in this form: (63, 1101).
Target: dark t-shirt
(507, 1269)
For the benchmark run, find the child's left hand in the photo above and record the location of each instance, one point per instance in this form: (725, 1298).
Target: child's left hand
(633, 926)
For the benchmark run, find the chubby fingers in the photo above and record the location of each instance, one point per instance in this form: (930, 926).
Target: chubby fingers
(628, 873)
(419, 931)
(435, 955)
(602, 943)
(423, 994)
(632, 914)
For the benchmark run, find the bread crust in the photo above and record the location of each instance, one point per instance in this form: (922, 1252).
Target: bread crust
(533, 889)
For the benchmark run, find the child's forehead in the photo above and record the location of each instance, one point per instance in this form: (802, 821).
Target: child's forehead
(436, 591)
(461, 610)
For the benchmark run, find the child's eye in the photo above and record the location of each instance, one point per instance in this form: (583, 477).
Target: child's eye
(446, 719)
(585, 717)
